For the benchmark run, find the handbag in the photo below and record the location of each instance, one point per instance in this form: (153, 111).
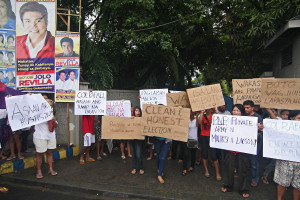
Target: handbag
(52, 125)
(192, 143)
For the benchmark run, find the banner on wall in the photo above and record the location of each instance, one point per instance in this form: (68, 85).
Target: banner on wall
(67, 47)
(66, 83)
(8, 45)
(35, 45)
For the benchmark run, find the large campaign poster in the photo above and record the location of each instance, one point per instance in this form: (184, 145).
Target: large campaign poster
(7, 44)
(66, 83)
(67, 47)
(35, 45)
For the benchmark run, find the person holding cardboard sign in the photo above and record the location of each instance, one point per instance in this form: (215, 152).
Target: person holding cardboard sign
(136, 148)
(205, 121)
(243, 164)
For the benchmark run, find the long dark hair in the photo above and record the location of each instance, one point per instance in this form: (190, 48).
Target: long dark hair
(137, 107)
(9, 11)
(241, 108)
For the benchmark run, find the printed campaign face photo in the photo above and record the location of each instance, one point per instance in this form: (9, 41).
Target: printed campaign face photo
(35, 29)
(67, 45)
(10, 77)
(10, 58)
(2, 76)
(7, 14)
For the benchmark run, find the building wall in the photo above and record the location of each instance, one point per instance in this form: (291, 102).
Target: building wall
(293, 70)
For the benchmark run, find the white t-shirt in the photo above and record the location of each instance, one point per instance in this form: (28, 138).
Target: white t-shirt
(41, 131)
(226, 112)
(71, 85)
(193, 130)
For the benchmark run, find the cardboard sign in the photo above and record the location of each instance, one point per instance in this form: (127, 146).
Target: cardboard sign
(178, 99)
(90, 103)
(165, 121)
(205, 97)
(246, 89)
(281, 139)
(153, 96)
(27, 110)
(235, 133)
(118, 108)
(281, 93)
(121, 128)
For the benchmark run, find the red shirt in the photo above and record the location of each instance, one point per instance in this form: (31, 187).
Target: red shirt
(46, 52)
(88, 124)
(205, 129)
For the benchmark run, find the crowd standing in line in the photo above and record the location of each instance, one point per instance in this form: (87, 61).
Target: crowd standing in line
(286, 172)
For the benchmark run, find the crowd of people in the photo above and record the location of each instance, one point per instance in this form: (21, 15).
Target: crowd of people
(233, 163)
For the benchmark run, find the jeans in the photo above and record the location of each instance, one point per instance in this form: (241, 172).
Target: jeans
(270, 167)
(137, 160)
(255, 160)
(161, 149)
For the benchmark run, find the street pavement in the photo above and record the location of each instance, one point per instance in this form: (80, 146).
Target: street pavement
(111, 179)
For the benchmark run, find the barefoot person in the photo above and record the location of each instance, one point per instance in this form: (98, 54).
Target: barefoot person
(44, 141)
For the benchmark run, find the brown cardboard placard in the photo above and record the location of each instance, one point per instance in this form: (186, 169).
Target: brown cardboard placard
(121, 128)
(178, 99)
(246, 89)
(281, 93)
(165, 121)
(205, 97)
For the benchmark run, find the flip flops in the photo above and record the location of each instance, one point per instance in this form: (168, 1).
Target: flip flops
(142, 171)
(53, 173)
(39, 176)
(90, 159)
(3, 190)
(11, 158)
(133, 171)
(81, 162)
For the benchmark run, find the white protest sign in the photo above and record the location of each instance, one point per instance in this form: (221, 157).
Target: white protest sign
(118, 108)
(27, 110)
(153, 96)
(281, 139)
(235, 133)
(90, 103)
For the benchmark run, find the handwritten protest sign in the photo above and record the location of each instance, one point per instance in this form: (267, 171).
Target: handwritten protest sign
(178, 99)
(246, 89)
(121, 128)
(90, 103)
(282, 93)
(153, 96)
(281, 139)
(27, 110)
(165, 121)
(235, 133)
(205, 97)
(118, 108)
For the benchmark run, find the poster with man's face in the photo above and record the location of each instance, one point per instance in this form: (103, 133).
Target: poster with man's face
(35, 44)
(67, 82)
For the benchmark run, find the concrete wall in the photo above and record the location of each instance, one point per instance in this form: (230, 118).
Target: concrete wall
(293, 70)
(75, 121)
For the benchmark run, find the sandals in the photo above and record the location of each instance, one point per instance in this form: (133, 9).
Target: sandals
(160, 179)
(81, 162)
(191, 169)
(123, 157)
(53, 173)
(219, 178)
(149, 158)
(207, 175)
(21, 157)
(184, 173)
(133, 171)
(3, 190)
(99, 158)
(265, 180)
(244, 193)
(11, 158)
(226, 188)
(39, 176)
(90, 159)
(142, 171)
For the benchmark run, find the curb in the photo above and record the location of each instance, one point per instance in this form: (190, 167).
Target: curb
(16, 165)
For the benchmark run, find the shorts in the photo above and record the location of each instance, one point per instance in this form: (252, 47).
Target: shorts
(41, 145)
(287, 173)
(88, 139)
